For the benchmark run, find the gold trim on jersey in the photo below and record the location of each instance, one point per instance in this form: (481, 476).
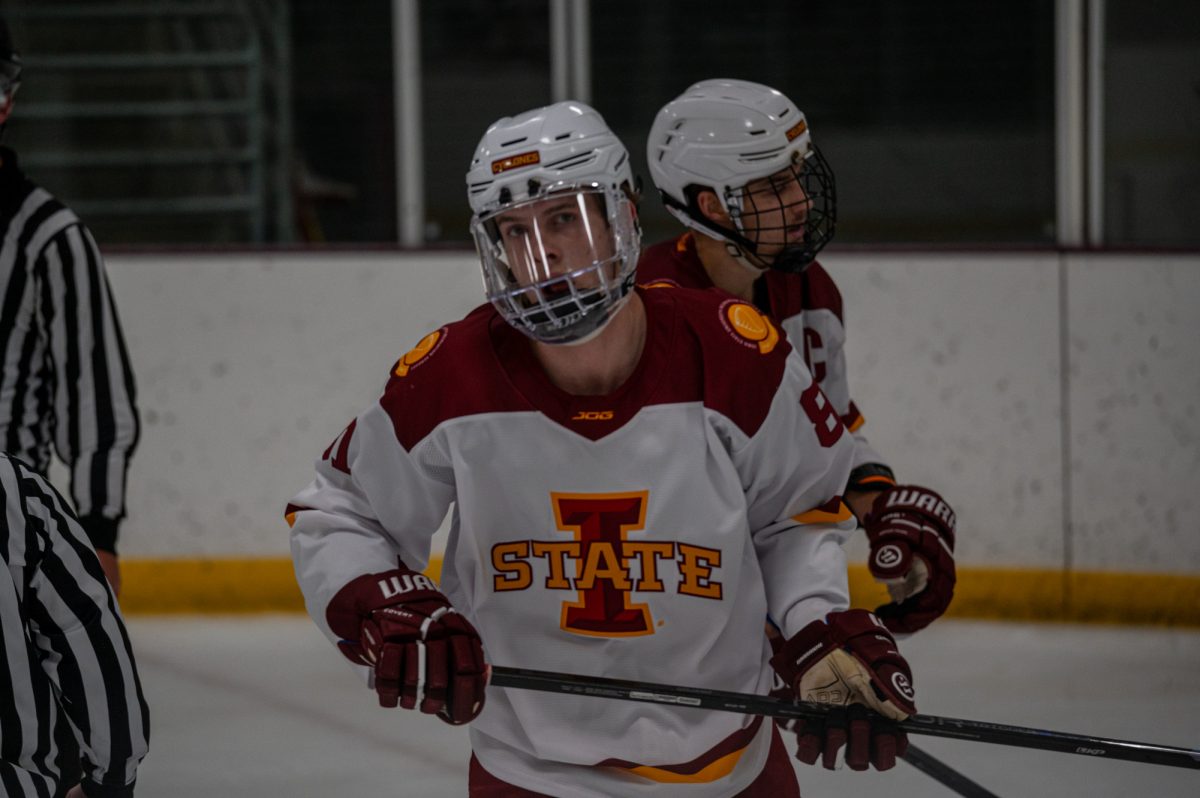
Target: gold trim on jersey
(821, 515)
(715, 770)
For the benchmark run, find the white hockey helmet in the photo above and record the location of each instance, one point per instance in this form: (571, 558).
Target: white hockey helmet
(723, 135)
(554, 221)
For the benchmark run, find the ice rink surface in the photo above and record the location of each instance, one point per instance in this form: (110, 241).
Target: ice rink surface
(262, 706)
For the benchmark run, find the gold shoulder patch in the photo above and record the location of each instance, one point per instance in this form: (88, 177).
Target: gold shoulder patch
(748, 325)
(418, 353)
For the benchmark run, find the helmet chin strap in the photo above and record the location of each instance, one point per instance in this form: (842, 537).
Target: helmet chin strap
(746, 260)
(694, 218)
(740, 248)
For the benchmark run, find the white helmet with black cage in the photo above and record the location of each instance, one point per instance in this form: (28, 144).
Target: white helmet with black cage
(751, 146)
(555, 221)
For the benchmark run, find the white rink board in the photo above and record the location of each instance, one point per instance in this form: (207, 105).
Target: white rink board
(954, 364)
(247, 367)
(1135, 412)
(249, 364)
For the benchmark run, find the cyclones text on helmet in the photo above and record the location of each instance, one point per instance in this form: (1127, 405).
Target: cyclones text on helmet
(554, 221)
(751, 146)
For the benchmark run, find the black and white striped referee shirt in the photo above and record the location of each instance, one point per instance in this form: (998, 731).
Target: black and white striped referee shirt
(65, 651)
(65, 381)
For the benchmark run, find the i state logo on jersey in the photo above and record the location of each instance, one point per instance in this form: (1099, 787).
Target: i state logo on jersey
(601, 566)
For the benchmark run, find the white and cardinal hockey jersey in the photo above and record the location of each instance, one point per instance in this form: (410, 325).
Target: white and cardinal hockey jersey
(641, 535)
(807, 305)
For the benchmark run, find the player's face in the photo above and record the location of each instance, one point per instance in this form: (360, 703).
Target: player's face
(555, 236)
(775, 209)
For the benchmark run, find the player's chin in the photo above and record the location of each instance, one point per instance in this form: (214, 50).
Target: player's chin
(768, 253)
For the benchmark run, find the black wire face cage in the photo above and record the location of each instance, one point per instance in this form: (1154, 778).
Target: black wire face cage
(551, 307)
(786, 219)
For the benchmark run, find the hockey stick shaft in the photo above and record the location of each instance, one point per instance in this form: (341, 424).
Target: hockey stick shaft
(932, 725)
(939, 771)
(919, 759)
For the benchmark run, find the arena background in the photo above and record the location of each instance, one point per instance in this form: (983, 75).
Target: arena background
(279, 193)
(1054, 397)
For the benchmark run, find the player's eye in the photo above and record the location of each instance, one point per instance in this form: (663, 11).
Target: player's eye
(766, 187)
(513, 231)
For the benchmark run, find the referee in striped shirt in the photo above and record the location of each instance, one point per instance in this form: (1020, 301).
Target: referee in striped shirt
(65, 381)
(70, 697)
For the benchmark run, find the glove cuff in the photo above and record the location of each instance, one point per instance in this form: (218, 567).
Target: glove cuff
(803, 649)
(369, 592)
(910, 500)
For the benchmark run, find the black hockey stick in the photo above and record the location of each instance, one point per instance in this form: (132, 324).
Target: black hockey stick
(939, 771)
(926, 763)
(933, 725)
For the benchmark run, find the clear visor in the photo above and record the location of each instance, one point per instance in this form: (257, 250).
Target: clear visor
(550, 261)
(539, 240)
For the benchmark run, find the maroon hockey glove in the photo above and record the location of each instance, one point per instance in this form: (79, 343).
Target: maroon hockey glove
(424, 654)
(911, 532)
(849, 660)
(780, 689)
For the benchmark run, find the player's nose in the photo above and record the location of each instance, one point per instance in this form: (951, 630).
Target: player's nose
(797, 202)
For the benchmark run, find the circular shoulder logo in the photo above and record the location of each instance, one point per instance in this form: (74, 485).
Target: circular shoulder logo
(424, 348)
(748, 326)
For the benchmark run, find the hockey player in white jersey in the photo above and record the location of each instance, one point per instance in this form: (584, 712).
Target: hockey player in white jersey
(638, 477)
(735, 162)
